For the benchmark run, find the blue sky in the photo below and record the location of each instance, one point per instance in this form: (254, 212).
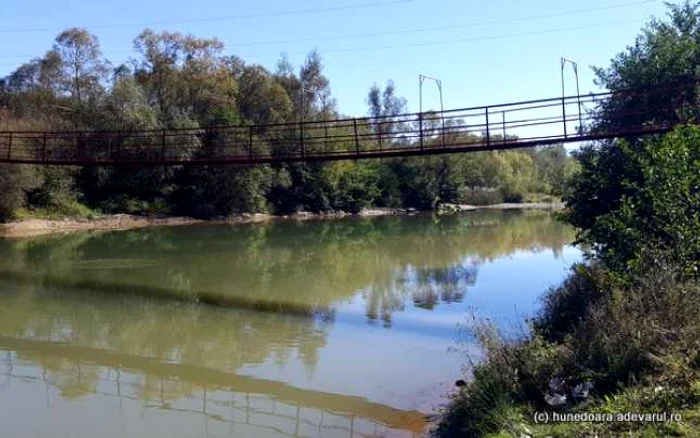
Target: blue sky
(484, 51)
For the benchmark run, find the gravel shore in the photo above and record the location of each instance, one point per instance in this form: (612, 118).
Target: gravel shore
(36, 227)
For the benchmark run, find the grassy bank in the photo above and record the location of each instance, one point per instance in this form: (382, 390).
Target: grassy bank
(599, 345)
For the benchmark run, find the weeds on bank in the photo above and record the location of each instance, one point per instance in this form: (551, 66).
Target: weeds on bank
(633, 339)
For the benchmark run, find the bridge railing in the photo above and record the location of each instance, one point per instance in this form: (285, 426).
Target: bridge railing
(257, 413)
(494, 127)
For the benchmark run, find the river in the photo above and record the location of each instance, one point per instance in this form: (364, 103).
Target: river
(348, 328)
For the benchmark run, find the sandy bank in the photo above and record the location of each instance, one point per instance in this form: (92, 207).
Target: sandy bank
(36, 227)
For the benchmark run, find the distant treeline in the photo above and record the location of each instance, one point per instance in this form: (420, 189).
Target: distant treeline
(179, 81)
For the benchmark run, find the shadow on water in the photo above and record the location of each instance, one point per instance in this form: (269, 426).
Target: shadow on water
(153, 291)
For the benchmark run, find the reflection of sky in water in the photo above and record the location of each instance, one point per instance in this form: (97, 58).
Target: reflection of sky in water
(393, 293)
(420, 343)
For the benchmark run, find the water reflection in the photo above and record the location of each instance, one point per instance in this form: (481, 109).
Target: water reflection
(295, 268)
(78, 315)
(178, 357)
(426, 288)
(233, 401)
(443, 285)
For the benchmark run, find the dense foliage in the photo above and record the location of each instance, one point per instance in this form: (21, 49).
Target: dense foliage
(635, 192)
(625, 325)
(179, 81)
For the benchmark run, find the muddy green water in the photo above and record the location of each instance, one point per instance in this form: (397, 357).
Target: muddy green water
(347, 328)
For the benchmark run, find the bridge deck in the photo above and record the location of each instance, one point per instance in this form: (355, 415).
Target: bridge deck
(496, 127)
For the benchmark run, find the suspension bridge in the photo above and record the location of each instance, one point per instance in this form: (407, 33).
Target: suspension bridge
(515, 125)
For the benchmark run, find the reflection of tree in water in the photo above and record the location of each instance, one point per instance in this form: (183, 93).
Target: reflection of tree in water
(443, 285)
(437, 279)
(425, 287)
(382, 302)
(307, 266)
(164, 331)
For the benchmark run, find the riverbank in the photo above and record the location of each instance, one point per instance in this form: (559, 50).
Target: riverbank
(601, 349)
(38, 226)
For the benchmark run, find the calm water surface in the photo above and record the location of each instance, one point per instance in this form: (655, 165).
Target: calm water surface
(343, 328)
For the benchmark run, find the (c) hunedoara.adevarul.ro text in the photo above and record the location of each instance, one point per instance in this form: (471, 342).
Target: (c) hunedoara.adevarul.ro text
(605, 417)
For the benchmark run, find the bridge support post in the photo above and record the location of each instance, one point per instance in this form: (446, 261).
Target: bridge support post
(357, 139)
(9, 146)
(488, 133)
(301, 139)
(420, 129)
(503, 114)
(43, 149)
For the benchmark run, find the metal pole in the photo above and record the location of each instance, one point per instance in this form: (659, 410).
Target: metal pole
(578, 97)
(438, 82)
(563, 102)
(420, 89)
(574, 65)
(303, 104)
(442, 112)
(420, 109)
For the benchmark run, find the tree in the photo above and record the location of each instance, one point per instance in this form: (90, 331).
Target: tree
(663, 61)
(84, 70)
(210, 191)
(262, 99)
(384, 106)
(659, 206)
(185, 75)
(615, 176)
(15, 182)
(314, 96)
(125, 188)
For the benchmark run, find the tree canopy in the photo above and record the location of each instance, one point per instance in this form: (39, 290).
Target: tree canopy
(632, 193)
(181, 81)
